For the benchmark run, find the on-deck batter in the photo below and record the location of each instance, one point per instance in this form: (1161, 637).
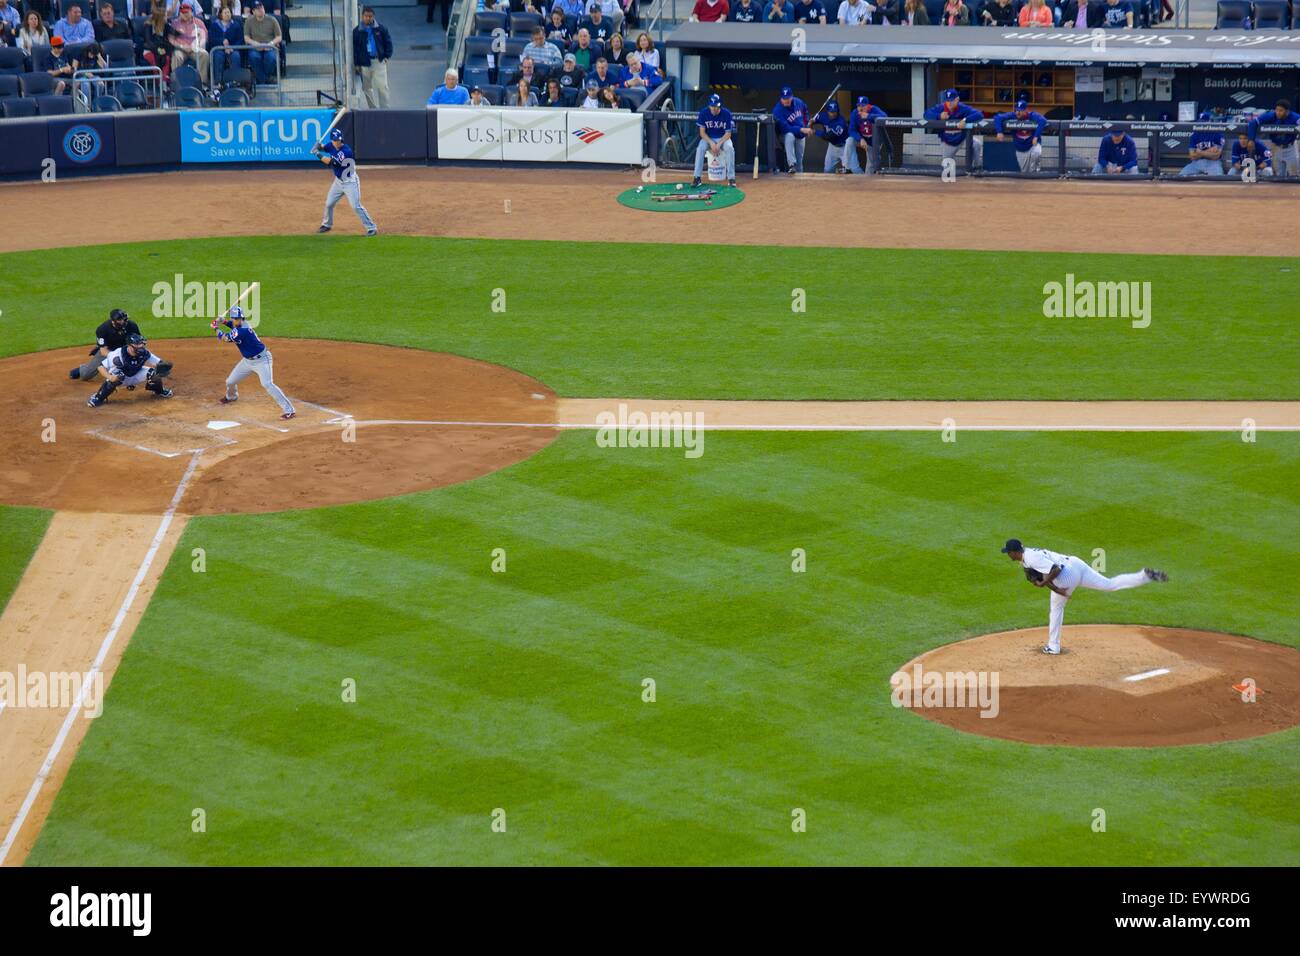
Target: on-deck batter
(338, 157)
(1062, 573)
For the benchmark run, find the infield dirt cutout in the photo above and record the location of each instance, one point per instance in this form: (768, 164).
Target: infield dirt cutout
(1121, 685)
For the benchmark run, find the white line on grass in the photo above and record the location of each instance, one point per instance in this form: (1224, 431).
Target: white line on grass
(104, 648)
(591, 426)
(1145, 674)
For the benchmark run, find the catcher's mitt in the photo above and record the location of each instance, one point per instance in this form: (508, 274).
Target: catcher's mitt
(1033, 577)
(161, 370)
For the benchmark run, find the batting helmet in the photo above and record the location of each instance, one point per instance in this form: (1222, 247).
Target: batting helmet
(336, 135)
(236, 312)
(117, 315)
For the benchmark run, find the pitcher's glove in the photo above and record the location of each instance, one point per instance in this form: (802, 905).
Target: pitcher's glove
(1033, 577)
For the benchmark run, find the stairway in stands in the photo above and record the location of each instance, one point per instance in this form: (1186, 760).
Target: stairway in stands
(312, 53)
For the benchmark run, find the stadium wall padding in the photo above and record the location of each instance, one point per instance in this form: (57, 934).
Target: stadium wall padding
(147, 139)
(24, 145)
(392, 134)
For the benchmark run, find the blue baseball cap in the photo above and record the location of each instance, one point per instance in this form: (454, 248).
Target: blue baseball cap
(715, 100)
(1022, 104)
(786, 93)
(1013, 544)
(950, 95)
(336, 134)
(864, 101)
(832, 107)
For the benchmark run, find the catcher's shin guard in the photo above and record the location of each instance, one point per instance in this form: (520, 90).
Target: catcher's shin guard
(101, 396)
(155, 385)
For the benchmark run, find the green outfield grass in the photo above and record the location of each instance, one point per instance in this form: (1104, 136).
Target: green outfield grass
(21, 530)
(522, 690)
(650, 321)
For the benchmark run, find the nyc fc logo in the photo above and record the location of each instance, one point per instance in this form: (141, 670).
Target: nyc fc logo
(82, 144)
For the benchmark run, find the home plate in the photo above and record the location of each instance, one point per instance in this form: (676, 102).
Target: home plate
(1145, 674)
(218, 426)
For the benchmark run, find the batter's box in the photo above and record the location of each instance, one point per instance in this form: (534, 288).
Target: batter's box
(165, 437)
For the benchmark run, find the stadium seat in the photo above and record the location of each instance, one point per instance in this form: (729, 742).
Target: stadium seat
(120, 53)
(12, 61)
(475, 76)
(935, 10)
(188, 98)
(8, 86)
(631, 99)
(1232, 14)
(15, 106)
(186, 75)
(40, 59)
(107, 104)
(514, 47)
(570, 24)
(132, 96)
(75, 51)
(53, 105)
(525, 22)
(1272, 14)
(233, 98)
(36, 84)
(486, 22)
(570, 94)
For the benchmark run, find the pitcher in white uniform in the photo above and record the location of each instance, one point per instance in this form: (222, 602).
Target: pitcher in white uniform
(1062, 573)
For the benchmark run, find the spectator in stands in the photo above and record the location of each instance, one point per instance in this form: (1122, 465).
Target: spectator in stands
(521, 95)
(955, 14)
(855, 13)
(609, 98)
(91, 58)
(1119, 16)
(639, 76)
(527, 71)
(1083, 14)
(451, 93)
(226, 32)
(616, 54)
(571, 8)
(778, 11)
(1286, 156)
(263, 34)
(372, 48)
(554, 97)
(9, 17)
(43, 7)
(33, 33)
(73, 28)
(1036, 13)
(446, 6)
(156, 47)
(1116, 154)
(591, 98)
(476, 97)
(886, 11)
(1246, 148)
(710, 11)
(7, 37)
(108, 27)
(809, 11)
(542, 53)
(60, 67)
(236, 9)
(791, 116)
(600, 28)
(570, 76)
(582, 50)
(915, 15)
(611, 9)
(557, 30)
(745, 11)
(604, 76)
(645, 49)
(1205, 150)
(189, 41)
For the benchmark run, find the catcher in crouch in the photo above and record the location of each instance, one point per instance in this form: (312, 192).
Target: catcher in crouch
(109, 336)
(1063, 573)
(132, 365)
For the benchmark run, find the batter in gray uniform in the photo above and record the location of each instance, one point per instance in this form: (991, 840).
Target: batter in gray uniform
(337, 155)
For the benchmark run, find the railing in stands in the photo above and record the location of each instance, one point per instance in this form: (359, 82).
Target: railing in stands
(122, 83)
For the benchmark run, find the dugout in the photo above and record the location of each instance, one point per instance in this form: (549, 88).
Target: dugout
(1150, 75)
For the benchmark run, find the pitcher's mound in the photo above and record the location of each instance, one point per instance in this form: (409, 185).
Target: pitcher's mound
(1117, 685)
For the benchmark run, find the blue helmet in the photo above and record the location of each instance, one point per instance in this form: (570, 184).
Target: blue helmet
(236, 312)
(336, 135)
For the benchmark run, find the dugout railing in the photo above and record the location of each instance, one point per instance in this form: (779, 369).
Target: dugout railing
(673, 135)
(911, 146)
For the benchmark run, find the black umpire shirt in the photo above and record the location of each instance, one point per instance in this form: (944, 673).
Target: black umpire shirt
(110, 337)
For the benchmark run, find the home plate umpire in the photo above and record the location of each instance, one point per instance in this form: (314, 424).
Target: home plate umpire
(110, 335)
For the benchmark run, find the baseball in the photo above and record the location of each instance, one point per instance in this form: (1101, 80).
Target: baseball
(679, 185)
(639, 188)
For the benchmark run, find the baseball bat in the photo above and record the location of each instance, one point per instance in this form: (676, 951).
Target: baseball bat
(242, 296)
(829, 98)
(758, 145)
(335, 122)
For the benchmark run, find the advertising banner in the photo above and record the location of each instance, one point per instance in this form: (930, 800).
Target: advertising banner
(83, 142)
(539, 136)
(246, 136)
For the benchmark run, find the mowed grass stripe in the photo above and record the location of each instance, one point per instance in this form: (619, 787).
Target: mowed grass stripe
(522, 690)
(713, 321)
